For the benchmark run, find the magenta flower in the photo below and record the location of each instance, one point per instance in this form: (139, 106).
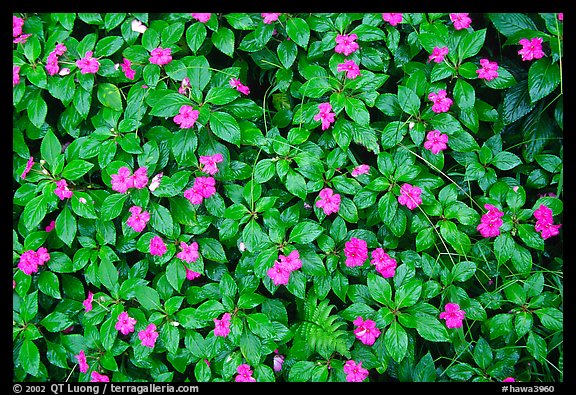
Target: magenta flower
(205, 186)
(125, 323)
(52, 66)
(157, 246)
(191, 275)
(15, 75)
(88, 64)
(82, 365)
(155, 183)
(325, 114)
(201, 17)
(436, 141)
(62, 190)
(160, 56)
(244, 374)
(355, 372)
(270, 17)
(88, 302)
(392, 18)
(127, 69)
(329, 201)
(278, 361)
(361, 169)
(366, 331)
(490, 222)
(21, 39)
(438, 54)
(410, 196)
(279, 274)
(350, 67)
(30, 260)
(545, 222)
(99, 378)
(346, 44)
(561, 16)
(210, 162)
(186, 117)
(189, 253)
(385, 265)
(531, 49)
(543, 214)
(356, 251)
(138, 219)
(60, 49)
(509, 380)
(140, 178)
(453, 315)
(17, 24)
(488, 70)
(441, 103)
(184, 86)
(51, 226)
(193, 196)
(240, 87)
(122, 181)
(460, 20)
(148, 336)
(29, 165)
(292, 261)
(222, 326)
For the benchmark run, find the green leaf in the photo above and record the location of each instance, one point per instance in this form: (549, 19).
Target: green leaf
(109, 95)
(223, 39)
(221, 95)
(287, 52)
(29, 357)
(168, 105)
(408, 100)
(226, 127)
(464, 94)
(108, 333)
(212, 249)
(49, 284)
(431, 329)
(471, 44)
(108, 275)
(483, 354)
(508, 23)
(50, 147)
(66, 226)
(505, 160)
(296, 184)
(264, 171)
(408, 293)
(305, 232)
(396, 341)
(112, 206)
(148, 298)
(380, 289)
(543, 78)
(298, 30)
(108, 46)
(356, 109)
(76, 169)
(37, 109)
(161, 219)
(551, 318)
(424, 371)
(184, 145)
(536, 346)
(517, 102)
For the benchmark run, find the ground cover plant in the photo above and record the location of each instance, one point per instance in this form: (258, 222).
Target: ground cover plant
(287, 197)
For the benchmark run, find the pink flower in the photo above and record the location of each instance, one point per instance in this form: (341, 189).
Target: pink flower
(138, 26)
(490, 222)
(52, 64)
(489, 70)
(186, 117)
(509, 380)
(325, 114)
(436, 141)
(240, 87)
(210, 162)
(278, 361)
(543, 214)
(189, 253)
(51, 226)
(99, 378)
(191, 275)
(201, 17)
(361, 169)
(30, 260)
(461, 21)
(410, 196)
(560, 16)
(356, 251)
(138, 219)
(60, 49)
(193, 196)
(122, 181)
(15, 75)
(350, 67)
(438, 54)
(62, 190)
(392, 18)
(155, 183)
(329, 201)
(545, 222)
(29, 165)
(292, 261)
(531, 49)
(270, 17)
(184, 86)
(354, 371)
(441, 103)
(279, 274)
(82, 365)
(88, 64)
(160, 56)
(140, 178)
(366, 331)
(21, 39)
(157, 246)
(205, 186)
(127, 69)
(453, 315)
(17, 24)
(548, 230)
(148, 336)
(88, 302)
(346, 44)
(125, 323)
(244, 374)
(385, 265)
(222, 326)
